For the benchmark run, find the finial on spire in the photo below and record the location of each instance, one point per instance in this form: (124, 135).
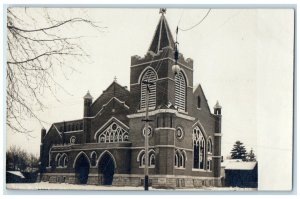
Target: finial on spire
(88, 95)
(115, 79)
(162, 11)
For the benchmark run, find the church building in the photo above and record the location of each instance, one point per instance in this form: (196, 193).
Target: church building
(107, 145)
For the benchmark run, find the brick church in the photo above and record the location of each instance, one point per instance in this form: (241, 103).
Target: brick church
(107, 145)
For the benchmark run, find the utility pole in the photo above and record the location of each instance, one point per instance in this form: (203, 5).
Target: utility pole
(146, 120)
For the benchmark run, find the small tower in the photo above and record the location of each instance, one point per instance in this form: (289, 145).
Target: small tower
(217, 109)
(43, 133)
(88, 99)
(41, 167)
(217, 140)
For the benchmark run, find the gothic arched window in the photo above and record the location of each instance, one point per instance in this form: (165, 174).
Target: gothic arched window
(113, 133)
(209, 146)
(199, 145)
(180, 158)
(57, 158)
(65, 161)
(151, 158)
(149, 76)
(180, 91)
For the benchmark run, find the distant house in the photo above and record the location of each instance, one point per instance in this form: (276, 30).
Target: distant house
(240, 174)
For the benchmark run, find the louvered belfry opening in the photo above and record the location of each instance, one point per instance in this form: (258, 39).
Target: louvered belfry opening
(180, 91)
(150, 76)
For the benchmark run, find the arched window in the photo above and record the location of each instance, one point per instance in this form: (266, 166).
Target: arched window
(113, 133)
(180, 158)
(198, 102)
(57, 158)
(62, 160)
(180, 91)
(93, 158)
(149, 76)
(176, 159)
(199, 145)
(65, 161)
(209, 146)
(151, 158)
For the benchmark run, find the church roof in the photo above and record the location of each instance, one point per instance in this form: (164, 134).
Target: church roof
(162, 37)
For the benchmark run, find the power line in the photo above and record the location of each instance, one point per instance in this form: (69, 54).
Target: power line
(196, 23)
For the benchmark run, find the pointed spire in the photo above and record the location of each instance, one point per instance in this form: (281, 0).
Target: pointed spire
(88, 95)
(162, 37)
(217, 105)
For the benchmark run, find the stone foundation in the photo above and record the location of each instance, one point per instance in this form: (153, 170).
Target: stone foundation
(156, 181)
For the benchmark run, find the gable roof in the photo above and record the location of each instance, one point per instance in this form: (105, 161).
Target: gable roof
(200, 91)
(162, 37)
(113, 90)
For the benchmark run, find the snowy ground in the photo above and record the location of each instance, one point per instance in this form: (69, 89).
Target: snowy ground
(63, 186)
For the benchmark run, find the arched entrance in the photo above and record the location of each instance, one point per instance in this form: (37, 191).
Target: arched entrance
(82, 168)
(106, 169)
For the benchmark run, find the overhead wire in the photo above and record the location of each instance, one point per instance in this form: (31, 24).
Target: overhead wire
(190, 28)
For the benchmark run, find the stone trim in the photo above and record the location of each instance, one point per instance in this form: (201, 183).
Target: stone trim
(106, 123)
(152, 113)
(122, 102)
(75, 159)
(164, 128)
(187, 67)
(218, 134)
(120, 148)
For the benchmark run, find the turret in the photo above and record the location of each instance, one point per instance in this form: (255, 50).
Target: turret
(217, 113)
(88, 99)
(217, 109)
(217, 140)
(42, 167)
(43, 133)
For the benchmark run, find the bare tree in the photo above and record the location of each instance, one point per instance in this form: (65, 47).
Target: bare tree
(36, 49)
(19, 159)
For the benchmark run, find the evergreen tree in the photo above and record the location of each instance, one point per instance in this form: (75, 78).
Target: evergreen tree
(251, 156)
(238, 151)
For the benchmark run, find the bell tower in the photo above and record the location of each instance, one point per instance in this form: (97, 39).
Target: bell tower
(156, 66)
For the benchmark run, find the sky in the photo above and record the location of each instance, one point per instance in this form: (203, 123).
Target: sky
(242, 57)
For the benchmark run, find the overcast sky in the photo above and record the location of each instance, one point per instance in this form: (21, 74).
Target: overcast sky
(242, 57)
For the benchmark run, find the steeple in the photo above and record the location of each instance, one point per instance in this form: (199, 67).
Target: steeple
(162, 36)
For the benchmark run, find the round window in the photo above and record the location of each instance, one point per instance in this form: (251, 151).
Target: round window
(114, 127)
(179, 133)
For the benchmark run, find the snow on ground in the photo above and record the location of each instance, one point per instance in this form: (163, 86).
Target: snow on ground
(64, 186)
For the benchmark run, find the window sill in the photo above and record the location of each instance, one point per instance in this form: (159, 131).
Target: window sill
(144, 109)
(203, 170)
(61, 167)
(180, 168)
(150, 167)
